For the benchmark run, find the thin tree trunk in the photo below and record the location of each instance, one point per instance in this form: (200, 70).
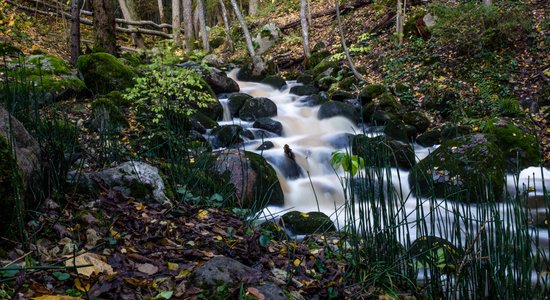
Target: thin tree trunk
(487, 2)
(75, 31)
(176, 21)
(188, 23)
(202, 25)
(400, 18)
(343, 41)
(226, 26)
(252, 7)
(196, 23)
(309, 12)
(161, 11)
(303, 19)
(104, 25)
(257, 62)
(136, 37)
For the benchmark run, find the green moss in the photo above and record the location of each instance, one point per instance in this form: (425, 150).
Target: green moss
(316, 58)
(108, 109)
(49, 64)
(139, 190)
(103, 73)
(302, 223)
(267, 186)
(370, 92)
(323, 66)
(469, 168)
(520, 148)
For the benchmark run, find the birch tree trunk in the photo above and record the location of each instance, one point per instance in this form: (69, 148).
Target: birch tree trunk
(226, 26)
(257, 62)
(202, 25)
(176, 21)
(487, 2)
(161, 11)
(343, 41)
(104, 25)
(303, 21)
(188, 23)
(399, 20)
(252, 7)
(128, 16)
(75, 31)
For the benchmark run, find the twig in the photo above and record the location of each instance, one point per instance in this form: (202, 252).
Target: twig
(17, 259)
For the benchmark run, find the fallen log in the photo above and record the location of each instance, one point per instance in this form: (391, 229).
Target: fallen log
(328, 12)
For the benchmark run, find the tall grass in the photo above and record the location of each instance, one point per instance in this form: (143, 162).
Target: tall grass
(442, 249)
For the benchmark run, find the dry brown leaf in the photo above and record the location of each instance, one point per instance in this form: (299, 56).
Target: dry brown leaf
(256, 293)
(146, 268)
(98, 265)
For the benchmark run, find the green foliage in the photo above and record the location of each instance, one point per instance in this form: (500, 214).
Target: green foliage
(163, 88)
(472, 27)
(350, 163)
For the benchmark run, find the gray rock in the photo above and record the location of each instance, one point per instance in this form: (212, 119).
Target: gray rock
(271, 291)
(333, 109)
(269, 125)
(301, 223)
(266, 37)
(222, 270)
(256, 108)
(226, 136)
(220, 83)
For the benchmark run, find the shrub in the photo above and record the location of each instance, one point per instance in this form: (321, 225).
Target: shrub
(472, 27)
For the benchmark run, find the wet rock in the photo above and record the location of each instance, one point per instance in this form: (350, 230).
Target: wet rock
(449, 132)
(103, 72)
(470, 168)
(370, 92)
(304, 90)
(305, 78)
(398, 130)
(325, 82)
(274, 81)
(226, 136)
(418, 120)
(271, 291)
(306, 223)
(340, 95)
(200, 122)
(429, 138)
(287, 165)
(333, 109)
(324, 68)
(220, 83)
(269, 125)
(255, 181)
(265, 146)
(27, 164)
(256, 108)
(221, 270)
(314, 100)
(383, 151)
(316, 57)
(236, 102)
(133, 179)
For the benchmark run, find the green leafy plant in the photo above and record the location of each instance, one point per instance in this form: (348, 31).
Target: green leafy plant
(350, 163)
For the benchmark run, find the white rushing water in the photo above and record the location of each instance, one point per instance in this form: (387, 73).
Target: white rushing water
(320, 186)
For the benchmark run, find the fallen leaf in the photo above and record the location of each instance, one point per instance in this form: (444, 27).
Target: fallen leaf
(146, 268)
(98, 265)
(202, 214)
(172, 266)
(256, 293)
(81, 287)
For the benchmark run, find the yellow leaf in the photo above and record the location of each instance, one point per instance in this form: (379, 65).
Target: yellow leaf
(83, 288)
(184, 273)
(98, 265)
(219, 238)
(172, 266)
(139, 206)
(297, 262)
(202, 215)
(304, 215)
(56, 297)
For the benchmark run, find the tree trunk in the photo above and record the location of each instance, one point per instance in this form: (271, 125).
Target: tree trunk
(75, 31)
(188, 23)
(202, 25)
(176, 21)
(303, 20)
(252, 7)
(196, 22)
(161, 11)
(487, 2)
(343, 41)
(226, 26)
(258, 64)
(399, 20)
(129, 16)
(104, 25)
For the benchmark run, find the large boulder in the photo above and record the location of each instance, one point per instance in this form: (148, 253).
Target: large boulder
(269, 125)
(267, 36)
(306, 223)
(103, 72)
(469, 168)
(258, 107)
(381, 151)
(17, 170)
(333, 109)
(429, 138)
(236, 102)
(226, 136)
(370, 92)
(304, 90)
(255, 181)
(275, 81)
(220, 83)
(132, 178)
(109, 111)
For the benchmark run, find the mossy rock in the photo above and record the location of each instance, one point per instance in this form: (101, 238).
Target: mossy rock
(389, 103)
(452, 131)
(274, 81)
(201, 122)
(48, 64)
(226, 136)
(305, 78)
(347, 83)
(418, 120)
(216, 42)
(374, 114)
(256, 108)
(103, 72)
(304, 90)
(469, 168)
(314, 100)
(306, 223)
(370, 92)
(316, 57)
(429, 138)
(520, 147)
(325, 82)
(337, 109)
(340, 95)
(382, 151)
(398, 130)
(236, 102)
(108, 112)
(326, 67)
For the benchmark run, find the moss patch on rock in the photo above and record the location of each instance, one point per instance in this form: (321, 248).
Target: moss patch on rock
(306, 223)
(102, 72)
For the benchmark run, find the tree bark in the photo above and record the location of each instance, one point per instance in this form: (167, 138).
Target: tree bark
(129, 16)
(487, 2)
(176, 20)
(75, 31)
(252, 7)
(188, 23)
(343, 41)
(399, 20)
(303, 19)
(202, 25)
(161, 11)
(257, 62)
(104, 25)
(226, 26)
